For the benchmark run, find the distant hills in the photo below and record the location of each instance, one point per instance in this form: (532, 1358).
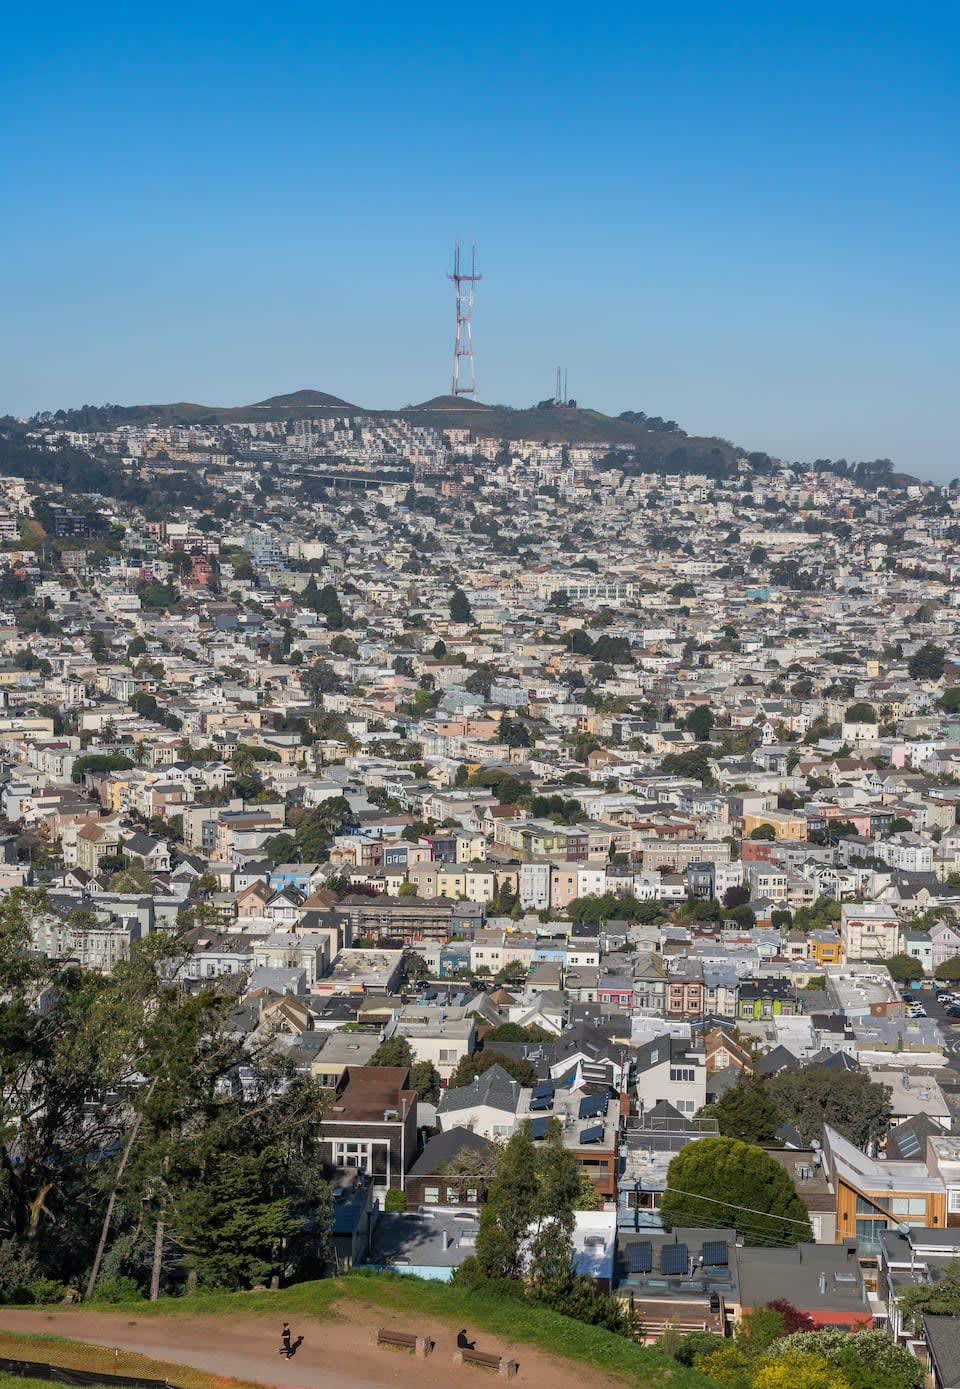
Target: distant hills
(554, 423)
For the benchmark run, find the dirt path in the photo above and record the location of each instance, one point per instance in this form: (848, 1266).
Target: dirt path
(335, 1354)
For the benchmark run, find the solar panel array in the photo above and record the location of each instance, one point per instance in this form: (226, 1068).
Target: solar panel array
(539, 1128)
(716, 1253)
(543, 1091)
(593, 1134)
(541, 1102)
(908, 1143)
(674, 1258)
(592, 1105)
(640, 1257)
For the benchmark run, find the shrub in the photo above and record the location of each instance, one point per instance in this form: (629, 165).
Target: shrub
(696, 1343)
(117, 1290)
(45, 1290)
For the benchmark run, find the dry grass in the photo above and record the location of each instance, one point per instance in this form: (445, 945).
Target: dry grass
(77, 1355)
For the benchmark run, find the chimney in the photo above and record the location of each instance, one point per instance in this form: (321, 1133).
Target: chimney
(822, 1284)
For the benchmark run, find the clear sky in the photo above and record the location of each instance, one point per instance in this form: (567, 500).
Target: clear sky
(743, 217)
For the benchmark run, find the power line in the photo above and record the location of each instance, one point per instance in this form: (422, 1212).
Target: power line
(750, 1210)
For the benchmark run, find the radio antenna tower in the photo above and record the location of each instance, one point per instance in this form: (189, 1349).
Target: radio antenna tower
(464, 368)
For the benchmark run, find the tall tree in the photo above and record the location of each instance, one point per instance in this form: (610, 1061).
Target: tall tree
(721, 1181)
(748, 1112)
(506, 1217)
(393, 1051)
(66, 1037)
(460, 610)
(927, 662)
(848, 1101)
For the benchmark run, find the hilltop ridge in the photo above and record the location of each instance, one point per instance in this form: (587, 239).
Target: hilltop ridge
(546, 422)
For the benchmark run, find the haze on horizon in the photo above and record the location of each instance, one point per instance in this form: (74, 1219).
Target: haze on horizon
(743, 222)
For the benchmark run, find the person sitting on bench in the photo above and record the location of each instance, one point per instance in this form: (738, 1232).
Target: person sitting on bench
(462, 1342)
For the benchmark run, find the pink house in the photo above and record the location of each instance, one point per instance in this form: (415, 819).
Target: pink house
(946, 942)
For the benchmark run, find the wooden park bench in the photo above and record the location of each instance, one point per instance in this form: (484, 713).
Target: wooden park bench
(504, 1366)
(404, 1340)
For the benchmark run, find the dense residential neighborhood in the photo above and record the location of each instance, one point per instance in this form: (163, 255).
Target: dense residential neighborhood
(497, 783)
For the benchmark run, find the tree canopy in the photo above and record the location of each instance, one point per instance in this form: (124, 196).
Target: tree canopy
(748, 1112)
(469, 1067)
(195, 1173)
(723, 1182)
(526, 1229)
(460, 610)
(927, 662)
(849, 1101)
(904, 967)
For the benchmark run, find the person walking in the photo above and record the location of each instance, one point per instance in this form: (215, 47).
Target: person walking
(285, 1340)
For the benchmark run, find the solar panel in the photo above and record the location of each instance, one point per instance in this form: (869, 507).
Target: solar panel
(544, 1091)
(716, 1253)
(594, 1134)
(640, 1257)
(541, 1102)
(908, 1143)
(674, 1258)
(592, 1105)
(539, 1128)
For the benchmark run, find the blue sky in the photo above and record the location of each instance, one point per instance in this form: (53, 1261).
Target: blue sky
(743, 217)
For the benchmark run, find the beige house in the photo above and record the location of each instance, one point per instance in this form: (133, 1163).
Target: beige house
(868, 931)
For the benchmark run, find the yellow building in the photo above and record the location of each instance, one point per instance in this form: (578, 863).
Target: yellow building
(784, 824)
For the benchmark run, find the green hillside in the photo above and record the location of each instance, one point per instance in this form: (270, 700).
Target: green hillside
(404, 1299)
(557, 424)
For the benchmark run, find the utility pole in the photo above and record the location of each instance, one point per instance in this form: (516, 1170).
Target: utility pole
(464, 367)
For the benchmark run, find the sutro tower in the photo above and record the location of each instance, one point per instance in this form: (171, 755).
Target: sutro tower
(463, 344)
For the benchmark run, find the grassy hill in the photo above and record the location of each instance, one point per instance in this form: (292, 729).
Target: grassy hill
(557, 424)
(405, 1301)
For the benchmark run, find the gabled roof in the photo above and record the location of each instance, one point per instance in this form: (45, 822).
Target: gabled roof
(908, 1141)
(495, 1089)
(445, 1146)
(779, 1059)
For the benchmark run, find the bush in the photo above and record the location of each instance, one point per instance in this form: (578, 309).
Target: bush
(696, 1343)
(866, 1359)
(45, 1290)
(117, 1290)
(18, 1270)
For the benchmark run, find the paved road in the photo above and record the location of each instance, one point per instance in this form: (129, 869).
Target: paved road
(949, 1028)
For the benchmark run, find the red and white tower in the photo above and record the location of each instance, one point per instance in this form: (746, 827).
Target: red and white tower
(464, 368)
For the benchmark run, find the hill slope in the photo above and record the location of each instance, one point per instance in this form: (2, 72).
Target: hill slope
(236, 1334)
(558, 424)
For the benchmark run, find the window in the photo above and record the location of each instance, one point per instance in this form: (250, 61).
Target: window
(953, 1201)
(909, 1205)
(684, 1074)
(347, 1154)
(431, 1195)
(873, 1206)
(685, 1106)
(453, 1196)
(448, 1054)
(868, 1236)
(472, 1195)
